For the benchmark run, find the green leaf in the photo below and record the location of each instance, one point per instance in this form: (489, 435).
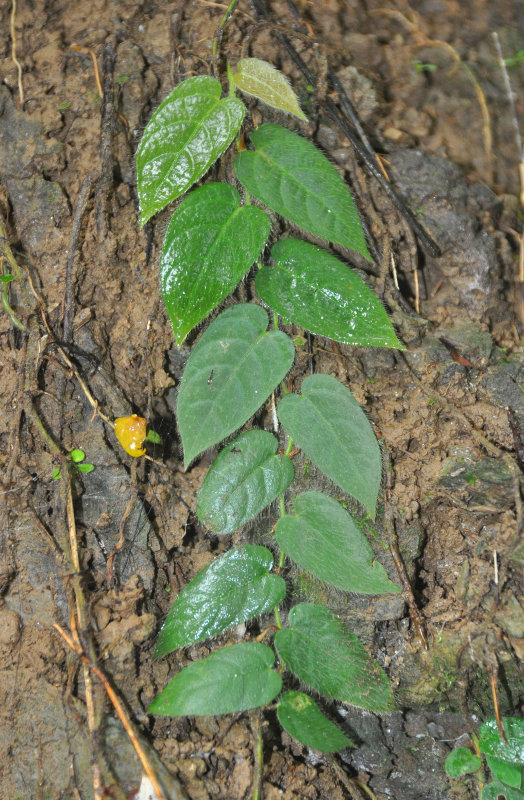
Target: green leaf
(289, 175)
(260, 79)
(321, 652)
(233, 588)
(300, 716)
(328, 424)
(56, 474)
(491, 743)
(233, 679)
(210, 243)
(323, 539)
(461, 761)
(85, 468)
(153, 437)
(245, 478)
(497, 790)
(311, 288)
(510, 774)
(234, 367)
(6, 278)
(189, 130)
(77, 456)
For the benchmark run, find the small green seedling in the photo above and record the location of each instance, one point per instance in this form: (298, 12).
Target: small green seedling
(504, 759)
(75, 465)
(211, 242)
(421, 66)
(516, 60)
(5, 280)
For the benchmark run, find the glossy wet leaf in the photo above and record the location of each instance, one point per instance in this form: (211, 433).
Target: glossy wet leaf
(234, 367)
(260, 79)
(301, 717)
(289, 175)
(328, 424)
(491, 743)
(233, 679)
(210, 243)
(498, 790)
(461, 761)
(245, 478)
(233, 588)
(187, 133)
(309, 287)
(323, 539)
(323, 654)
(510, 774)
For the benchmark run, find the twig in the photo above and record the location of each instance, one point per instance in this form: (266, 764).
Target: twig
(80, 210)
(117, 705)
(520, 155)
(89, 397)
(79, 49)
(219, 34)
(493, 669)
(414, 613)
(256, 727)
(121, 540)
(413, 25)
(13, 52)
(371, 164)
(107, 128)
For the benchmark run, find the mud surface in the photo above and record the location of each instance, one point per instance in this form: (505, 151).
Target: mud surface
(449, 411)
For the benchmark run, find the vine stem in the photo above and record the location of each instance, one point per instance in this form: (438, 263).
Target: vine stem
(258, 754)
(217, 38)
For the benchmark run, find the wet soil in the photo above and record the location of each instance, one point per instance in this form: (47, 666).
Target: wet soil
(449, 411)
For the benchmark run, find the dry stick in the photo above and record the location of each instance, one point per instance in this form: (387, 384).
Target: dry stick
(107, 128)
(77, 48)
(258, 769)
(13, 52)
(413, 25)
(371, 163)
(89, 664)
(351, 784)
(80, 210)
(121, 540)
(520, 155)
(91, 400)
(93, 717)
(493, 670)
(69, 548)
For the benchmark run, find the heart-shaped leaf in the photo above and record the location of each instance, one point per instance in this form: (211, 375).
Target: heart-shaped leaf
(512, 750)
(321, 652)
(499, 791)
(328, 424)
(510, 774)
(233, 369)
(244, 479)
(300, 716)
(461, 761)
(323, 539)
(210, 243)
(260, 79)
(189, 130)
(233, 588)
(289, 175)
(311, 288)
(233, 679)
